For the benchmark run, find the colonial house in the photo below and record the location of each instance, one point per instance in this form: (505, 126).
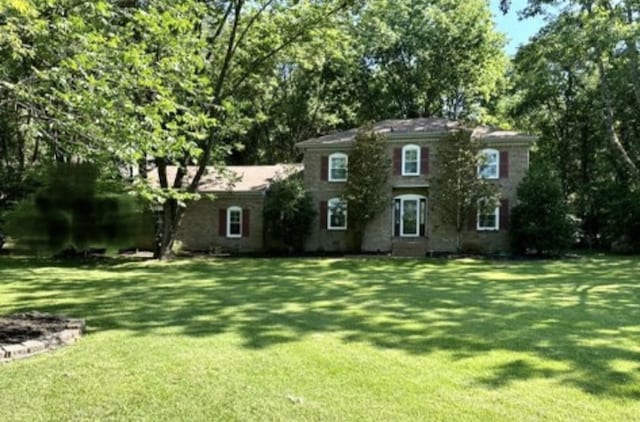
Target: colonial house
(410, 225)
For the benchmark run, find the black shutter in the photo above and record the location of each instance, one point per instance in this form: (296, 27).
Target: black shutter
(324, 167)
(323, 215)
(396, 217)
(222, 222)
(397, 161)
(423, 217)
(246, 223)
(424, 161)
(504, 214)
(504, 164)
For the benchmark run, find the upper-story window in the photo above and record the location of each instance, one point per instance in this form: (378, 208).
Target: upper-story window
(338, 167)
(234, 222)
(489, 164)
(410, 160)
(336, 214)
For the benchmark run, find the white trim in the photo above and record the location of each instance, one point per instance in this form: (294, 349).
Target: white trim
(486, 153)
(496, 212)
(411, 147)
(229, 211)
(330, 202)
(330, 177)
(409, 197)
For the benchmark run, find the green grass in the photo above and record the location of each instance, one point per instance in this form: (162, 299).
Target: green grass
(333, 339)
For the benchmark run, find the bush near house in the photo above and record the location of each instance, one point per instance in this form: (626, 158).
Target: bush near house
(74, 211)
(288, 214)
(540, 223)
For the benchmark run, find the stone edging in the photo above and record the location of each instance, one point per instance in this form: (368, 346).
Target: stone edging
(73, 330)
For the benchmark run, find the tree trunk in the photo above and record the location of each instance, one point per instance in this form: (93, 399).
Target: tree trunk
(459, 225)
(168, 219)
(632, 49)
(614, 141)
(166, 228)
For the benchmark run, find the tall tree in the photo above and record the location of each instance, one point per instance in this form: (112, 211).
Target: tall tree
(571, 80)
(366, 186)
(428, 58)
(167, 84)
(606, 26)
(458, 190)
(388, 59)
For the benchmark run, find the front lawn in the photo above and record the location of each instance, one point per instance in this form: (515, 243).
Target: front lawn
(330, 339)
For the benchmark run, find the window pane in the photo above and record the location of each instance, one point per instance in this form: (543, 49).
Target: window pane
(338, 168)
(337, 214)
(488, 168)
(489, 171)
(234, 222)
(411, 155)
(337, 219)
(410, 161)
(410, 217)
(488, 220)
(411, 167)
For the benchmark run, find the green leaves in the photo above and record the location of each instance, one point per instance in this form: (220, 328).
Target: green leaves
(366, 188)
(457, 189)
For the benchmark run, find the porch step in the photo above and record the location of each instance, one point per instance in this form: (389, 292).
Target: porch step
(416, 248)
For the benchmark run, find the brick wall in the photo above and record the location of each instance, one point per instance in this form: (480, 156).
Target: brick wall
(379, 233)
(199, 230)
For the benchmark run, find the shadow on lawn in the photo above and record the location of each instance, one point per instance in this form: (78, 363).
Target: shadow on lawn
(581, 315)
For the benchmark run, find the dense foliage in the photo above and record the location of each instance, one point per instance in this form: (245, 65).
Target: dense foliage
(74, 211)
(388, 59)
(577, 85)
(366, 188)
(457, 190)
(146, 85)
(540, 223)
(288, 214)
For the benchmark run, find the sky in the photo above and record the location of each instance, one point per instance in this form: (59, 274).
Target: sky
(518, 31)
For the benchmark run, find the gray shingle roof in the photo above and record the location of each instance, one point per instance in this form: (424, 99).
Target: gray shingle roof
(431, 125)
(241, 178)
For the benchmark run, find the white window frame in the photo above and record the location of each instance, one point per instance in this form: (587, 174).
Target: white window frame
(338, 155)
(405, 149)
(229, 211)
(330, 208)
(496, 212)
(410, 197)
(483, 156)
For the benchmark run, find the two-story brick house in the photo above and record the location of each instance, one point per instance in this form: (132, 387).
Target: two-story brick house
(410, 224)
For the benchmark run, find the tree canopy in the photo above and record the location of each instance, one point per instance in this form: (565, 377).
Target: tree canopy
(141, 87)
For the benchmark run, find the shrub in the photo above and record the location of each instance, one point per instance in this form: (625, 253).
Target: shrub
(73, 211)
(540, 223)
(288, 214)
(622, 220)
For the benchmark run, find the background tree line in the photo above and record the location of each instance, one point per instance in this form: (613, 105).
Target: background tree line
(577, 85)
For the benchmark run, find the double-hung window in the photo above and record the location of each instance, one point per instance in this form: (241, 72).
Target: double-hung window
(338, 167)
(410, 160)
(336, 214)
(488, 217)
(234, 222)
(489, 164)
